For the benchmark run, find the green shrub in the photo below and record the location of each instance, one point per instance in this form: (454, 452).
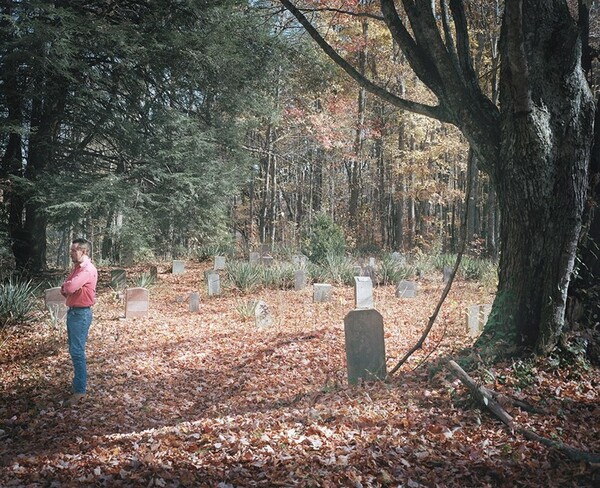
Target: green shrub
(279, 276)
(246, 309)
(324, 239)
(391, 270)
(17, 301)
(145, 280)
(245, 276)
(477, 269)
(335, 269)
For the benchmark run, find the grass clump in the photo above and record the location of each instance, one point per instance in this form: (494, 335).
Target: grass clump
(17, 301)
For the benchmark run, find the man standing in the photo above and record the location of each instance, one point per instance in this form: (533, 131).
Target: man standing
(80, 291)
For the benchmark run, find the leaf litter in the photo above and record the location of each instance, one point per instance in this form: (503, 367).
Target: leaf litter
(207, 399)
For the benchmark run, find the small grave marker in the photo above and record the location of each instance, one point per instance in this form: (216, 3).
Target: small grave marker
(322, 292)
(194, 302)
(214, 284)
(264, 318)
(299, 260)
(363, 292)
(447, 273)
(372, 262)
(406, 289)
(55, 303)
(365, 346)
(254, 257)
(299, 279)
(267, 260)
(178, 267)
(153, 273)
(477, 316)
(219, 263)
(118, 278)
(136, 302)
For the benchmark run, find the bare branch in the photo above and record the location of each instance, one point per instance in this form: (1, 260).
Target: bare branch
(345, 12)
(436, 112)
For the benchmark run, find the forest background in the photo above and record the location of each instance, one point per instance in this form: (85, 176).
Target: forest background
(166, 130)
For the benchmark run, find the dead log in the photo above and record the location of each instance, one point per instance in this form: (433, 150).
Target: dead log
(486, 398)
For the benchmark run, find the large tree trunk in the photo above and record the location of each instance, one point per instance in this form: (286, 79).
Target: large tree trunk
(541, 177)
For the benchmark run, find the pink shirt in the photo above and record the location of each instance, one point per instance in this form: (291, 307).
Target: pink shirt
(80, 287)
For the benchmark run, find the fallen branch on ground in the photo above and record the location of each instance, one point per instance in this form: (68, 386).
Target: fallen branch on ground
(486, 398)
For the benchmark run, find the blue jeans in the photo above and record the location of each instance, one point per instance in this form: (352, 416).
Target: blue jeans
(78, 325)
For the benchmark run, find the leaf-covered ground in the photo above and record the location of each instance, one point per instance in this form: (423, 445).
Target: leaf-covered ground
(207, 399)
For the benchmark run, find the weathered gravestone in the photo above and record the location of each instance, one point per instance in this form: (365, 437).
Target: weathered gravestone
(370, 272)
(254, 257)
(299, 260)
(178, 267)
(322, 292)
(194, 302)
(136, 302)
(406, 289)
(127, 257)
(213, 282)
(447, 272)
(267, 260)
(264, 318)
(55, 303)
(365, 346)
(153, 273)
(477, 316)
(265, 249)
(363, 292)
(299, 279)
(118, 278)
(219, 263)
(372, 262)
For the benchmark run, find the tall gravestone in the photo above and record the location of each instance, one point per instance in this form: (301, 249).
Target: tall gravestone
(365, 346)
(213, 282)
(406, 289)
(363, 292)
(300, 279)
(178, 267)
(55, 303)
(447, 272)
(194, 302)
(322, 292)
(219, 263)
(477, 316)
(136, 302)
(118, 278)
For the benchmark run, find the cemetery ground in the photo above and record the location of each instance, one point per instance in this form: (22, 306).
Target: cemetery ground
(208, 399)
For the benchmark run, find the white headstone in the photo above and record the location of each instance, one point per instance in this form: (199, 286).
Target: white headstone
(477, 316)
(136, 302)
(406, 289)
(178, 267)
(214, 284)
(363, 292)
(219, 263)
(264, 318)
(322, 292)
(55, 303)
(267, 260)
(299, 279)
(194, 302)
(372, 262)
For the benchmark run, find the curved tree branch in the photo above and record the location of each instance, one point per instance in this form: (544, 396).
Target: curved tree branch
(436, 112)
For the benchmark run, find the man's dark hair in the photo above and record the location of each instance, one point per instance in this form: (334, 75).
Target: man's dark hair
(83, 244)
